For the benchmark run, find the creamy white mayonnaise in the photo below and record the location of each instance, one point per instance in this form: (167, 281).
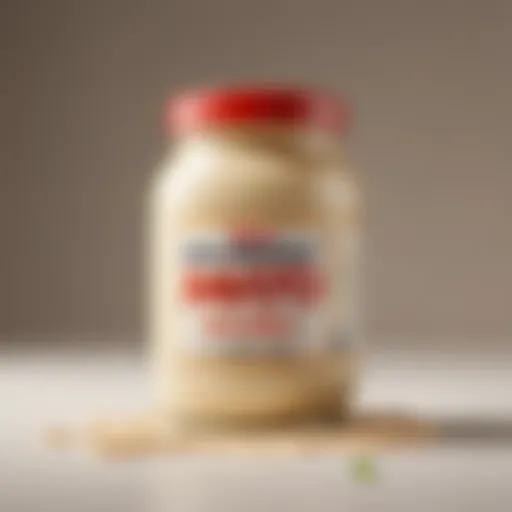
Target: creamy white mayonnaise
(254, 230)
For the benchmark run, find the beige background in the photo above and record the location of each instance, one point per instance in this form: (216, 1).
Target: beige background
(82, 87)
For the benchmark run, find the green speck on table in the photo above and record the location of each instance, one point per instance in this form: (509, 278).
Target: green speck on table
(363, 469)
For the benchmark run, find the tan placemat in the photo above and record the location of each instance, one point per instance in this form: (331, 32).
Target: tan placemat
(145, 435)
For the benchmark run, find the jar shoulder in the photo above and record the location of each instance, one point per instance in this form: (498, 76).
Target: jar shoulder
(209, 186)
(240, 185)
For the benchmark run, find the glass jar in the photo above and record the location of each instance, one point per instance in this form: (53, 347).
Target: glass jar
(253, 230)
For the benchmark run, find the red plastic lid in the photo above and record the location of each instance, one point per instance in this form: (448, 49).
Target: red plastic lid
(238, 105)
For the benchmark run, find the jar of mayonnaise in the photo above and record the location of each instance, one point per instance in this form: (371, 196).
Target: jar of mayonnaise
(254, 234)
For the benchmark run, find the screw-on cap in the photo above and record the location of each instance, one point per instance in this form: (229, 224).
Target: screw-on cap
(241, 105)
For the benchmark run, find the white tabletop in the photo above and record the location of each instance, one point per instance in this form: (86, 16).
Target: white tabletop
(37, 389)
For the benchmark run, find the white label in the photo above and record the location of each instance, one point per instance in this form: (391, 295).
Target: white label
(251, 293)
